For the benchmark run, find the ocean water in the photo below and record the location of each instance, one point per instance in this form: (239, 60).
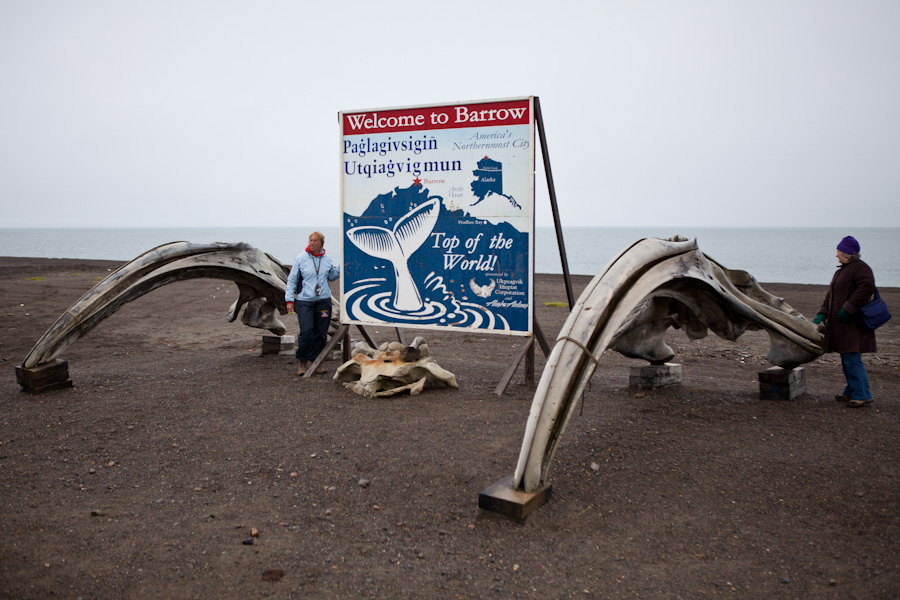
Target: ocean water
(782, 255)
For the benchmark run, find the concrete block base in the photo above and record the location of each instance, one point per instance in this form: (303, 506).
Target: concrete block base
(278, 344)
(500, 499)
(654, 376)
(776, 383)
(52, 376)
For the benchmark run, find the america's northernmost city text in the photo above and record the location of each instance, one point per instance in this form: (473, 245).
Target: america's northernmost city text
(463, 115)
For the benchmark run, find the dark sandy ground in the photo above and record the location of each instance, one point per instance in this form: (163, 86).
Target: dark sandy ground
(179, 441)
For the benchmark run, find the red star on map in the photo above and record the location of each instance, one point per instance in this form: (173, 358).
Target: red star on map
(417, 182)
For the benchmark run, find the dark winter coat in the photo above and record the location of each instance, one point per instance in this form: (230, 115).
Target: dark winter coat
(852, 286)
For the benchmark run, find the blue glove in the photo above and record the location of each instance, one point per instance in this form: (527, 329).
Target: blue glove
(819, 318)
(843, 315)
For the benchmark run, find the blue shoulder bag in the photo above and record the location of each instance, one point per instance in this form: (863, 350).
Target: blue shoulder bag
(875, 313)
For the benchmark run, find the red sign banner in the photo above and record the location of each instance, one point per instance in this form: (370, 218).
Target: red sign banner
(488, 114)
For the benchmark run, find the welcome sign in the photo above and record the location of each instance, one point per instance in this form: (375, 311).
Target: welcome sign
(438, 216)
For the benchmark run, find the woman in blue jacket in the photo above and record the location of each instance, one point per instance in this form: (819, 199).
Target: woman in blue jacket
(313, 300)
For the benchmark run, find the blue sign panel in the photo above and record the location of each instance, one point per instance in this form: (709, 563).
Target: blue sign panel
(438, 216)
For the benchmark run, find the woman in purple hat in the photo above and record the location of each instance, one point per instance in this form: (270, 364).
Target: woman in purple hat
(852, 286)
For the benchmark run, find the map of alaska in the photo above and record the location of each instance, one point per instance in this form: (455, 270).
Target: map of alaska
(491, 204)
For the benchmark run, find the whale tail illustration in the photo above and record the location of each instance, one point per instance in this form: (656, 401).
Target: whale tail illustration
(397, 245)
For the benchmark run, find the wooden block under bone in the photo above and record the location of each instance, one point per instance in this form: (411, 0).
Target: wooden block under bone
(654, 376)
(776, 383)
(277, 344)
(52, 376)
(501, 499)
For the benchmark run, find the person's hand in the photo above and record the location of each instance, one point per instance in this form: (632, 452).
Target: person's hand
(843, 316)
(290, 307)
(819, 318)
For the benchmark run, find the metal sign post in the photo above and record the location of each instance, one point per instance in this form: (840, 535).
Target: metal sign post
(527, 350)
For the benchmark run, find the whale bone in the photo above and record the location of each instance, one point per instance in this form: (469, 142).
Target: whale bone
(260, 278)
(628, 306)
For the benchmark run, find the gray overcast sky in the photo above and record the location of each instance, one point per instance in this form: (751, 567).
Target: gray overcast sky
(224, 113)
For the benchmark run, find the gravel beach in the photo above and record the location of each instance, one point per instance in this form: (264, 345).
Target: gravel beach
(185, 464)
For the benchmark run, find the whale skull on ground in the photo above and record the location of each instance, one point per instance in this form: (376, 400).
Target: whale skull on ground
(393, 369)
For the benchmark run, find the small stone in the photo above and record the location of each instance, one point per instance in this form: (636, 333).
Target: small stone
(92, 471)
(254, 532)
(272, 574)
(785, 580)
(97, 513)
(595, 466)
(410, 354)
(294, 474)
(363, 483)
(248, 541)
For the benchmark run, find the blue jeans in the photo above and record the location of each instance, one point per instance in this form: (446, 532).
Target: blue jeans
(855, 374)
(314, 317)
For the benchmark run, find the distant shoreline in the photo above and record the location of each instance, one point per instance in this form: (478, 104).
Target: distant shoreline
(582, 280)
(801, 255)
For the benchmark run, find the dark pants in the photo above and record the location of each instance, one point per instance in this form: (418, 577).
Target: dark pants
(314, 317)
(855, 374)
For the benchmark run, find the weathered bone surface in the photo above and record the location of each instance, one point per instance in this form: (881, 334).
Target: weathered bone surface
(260, 279)
(393, 369)
(651, 286)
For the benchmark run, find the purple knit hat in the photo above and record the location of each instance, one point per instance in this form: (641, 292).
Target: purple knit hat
(849, 245)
